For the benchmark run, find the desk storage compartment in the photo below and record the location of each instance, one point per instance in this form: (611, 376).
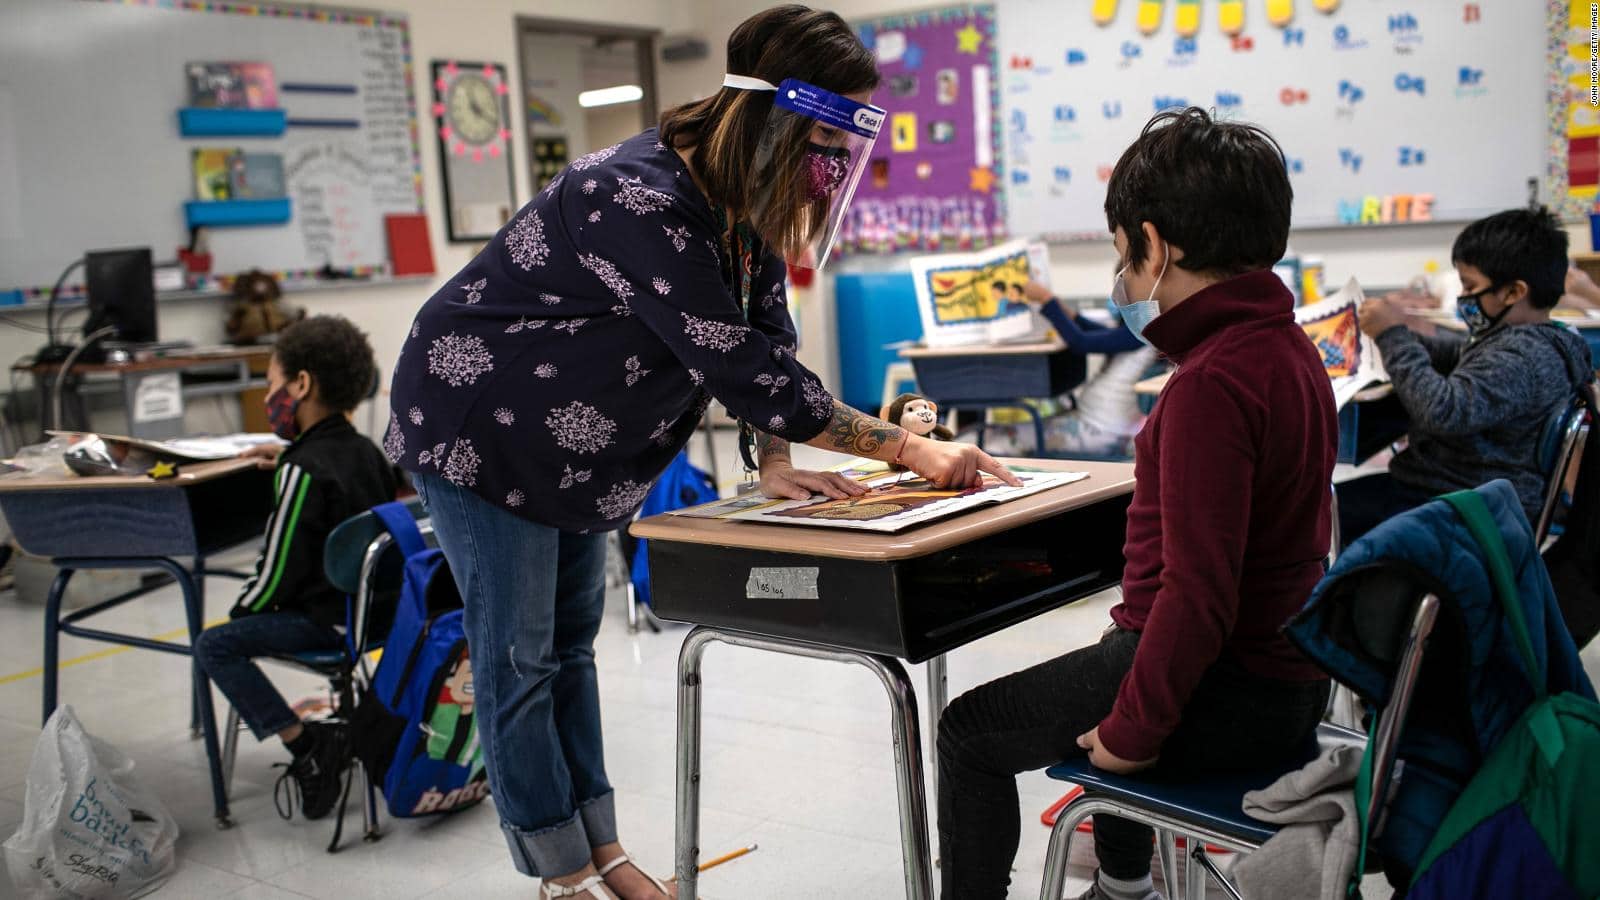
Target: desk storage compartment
(855, 603)
(913, 609)
(958, 595)
(1367, 428)
(992, 376)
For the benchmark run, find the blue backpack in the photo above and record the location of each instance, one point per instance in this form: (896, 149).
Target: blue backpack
(414, 728)
(681, 485)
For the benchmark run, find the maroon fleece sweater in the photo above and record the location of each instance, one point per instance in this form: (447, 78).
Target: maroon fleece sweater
(1229, 522)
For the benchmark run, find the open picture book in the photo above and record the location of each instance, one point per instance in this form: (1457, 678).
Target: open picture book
(1349, 356)
(895, 501)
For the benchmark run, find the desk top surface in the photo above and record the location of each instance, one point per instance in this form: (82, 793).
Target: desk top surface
(1152, 386)
(177, 360)
(1106, 480)
(1036, 348)
(192, 473)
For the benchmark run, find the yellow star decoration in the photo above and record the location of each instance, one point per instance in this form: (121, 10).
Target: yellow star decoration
(968, 40)
(162, 470)
(982, 179)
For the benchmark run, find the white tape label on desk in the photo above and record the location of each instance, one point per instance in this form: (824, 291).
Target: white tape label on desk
(782, 583)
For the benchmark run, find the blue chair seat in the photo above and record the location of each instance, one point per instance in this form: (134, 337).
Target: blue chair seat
(1212, 801)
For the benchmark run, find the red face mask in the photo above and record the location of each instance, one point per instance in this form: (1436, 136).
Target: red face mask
(281, 408)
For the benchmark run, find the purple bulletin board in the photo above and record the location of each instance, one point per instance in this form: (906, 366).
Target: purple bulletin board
(935, 177)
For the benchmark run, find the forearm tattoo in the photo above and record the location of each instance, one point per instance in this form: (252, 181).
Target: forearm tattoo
(768, 446)
(850, 431)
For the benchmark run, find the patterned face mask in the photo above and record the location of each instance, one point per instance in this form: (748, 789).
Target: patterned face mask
(826, 168)
(280, 414)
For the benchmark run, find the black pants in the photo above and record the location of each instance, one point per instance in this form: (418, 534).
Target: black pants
(1365, 503)
(1032, 719)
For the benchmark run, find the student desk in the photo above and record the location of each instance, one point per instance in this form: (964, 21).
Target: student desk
(153, 390)
(997, 376)
(873, 600)
(134, 522)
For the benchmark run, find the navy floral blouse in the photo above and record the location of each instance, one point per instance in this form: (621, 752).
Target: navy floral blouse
(563, 368)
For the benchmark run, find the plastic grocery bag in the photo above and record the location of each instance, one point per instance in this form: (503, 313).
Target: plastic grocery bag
(89, 829)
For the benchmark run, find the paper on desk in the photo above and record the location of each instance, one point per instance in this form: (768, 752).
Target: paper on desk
(898, 500)
(1350, 357)
(193, 449)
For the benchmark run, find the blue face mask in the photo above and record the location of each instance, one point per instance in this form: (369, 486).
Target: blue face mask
(1469, 309)
(1137, 314)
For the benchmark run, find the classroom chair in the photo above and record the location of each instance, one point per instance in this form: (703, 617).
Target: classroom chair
(361, 559)
(1205, 810)
(1560, 448)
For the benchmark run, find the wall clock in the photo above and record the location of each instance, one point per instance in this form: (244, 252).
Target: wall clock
(471, 116)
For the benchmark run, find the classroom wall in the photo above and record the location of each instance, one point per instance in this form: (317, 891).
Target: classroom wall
(1383, 257)
(463, 29)
(484, 30)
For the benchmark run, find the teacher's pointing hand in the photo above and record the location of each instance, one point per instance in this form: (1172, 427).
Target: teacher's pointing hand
(948, 464)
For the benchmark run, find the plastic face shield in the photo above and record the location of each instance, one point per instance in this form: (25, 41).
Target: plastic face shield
(828, 137)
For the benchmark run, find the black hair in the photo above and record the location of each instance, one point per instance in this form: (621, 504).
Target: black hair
(998, 284)
(337, 355)
(1219, 190)
(1527, 245)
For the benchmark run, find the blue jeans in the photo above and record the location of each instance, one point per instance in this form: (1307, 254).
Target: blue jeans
(534, 598)
(225, 652)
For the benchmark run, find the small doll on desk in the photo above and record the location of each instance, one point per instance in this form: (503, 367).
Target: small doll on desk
(918, 415)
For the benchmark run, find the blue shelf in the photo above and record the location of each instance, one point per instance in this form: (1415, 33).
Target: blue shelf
(224, 213)
(200, 122)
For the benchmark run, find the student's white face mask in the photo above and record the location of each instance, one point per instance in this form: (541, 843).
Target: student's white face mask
(1137, 314)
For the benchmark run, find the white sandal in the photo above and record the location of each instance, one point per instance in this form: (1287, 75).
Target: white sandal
(591, 886)
(625, 859)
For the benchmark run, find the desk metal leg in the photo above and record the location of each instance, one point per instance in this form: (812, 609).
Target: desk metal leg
(938, 699)
(914, 846)
(52, 640)
(193, 600)
(199, 574)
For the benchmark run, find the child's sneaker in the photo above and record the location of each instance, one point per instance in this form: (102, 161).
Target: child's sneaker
(1142, 890)
(314, 774)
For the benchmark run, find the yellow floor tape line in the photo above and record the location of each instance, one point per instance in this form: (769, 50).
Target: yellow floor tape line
(99, 654)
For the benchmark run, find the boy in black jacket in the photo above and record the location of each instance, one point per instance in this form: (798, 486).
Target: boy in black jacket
(321, 369)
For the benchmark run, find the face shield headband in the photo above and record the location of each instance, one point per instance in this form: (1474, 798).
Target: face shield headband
(837, 134)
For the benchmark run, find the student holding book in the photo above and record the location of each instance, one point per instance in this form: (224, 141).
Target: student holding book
(1478, 403)
(1226, 534)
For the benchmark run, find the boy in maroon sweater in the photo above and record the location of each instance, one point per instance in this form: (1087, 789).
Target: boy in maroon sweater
(1226, 533)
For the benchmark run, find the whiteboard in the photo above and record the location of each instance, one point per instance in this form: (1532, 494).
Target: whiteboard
(93, 158)
(1339, 91)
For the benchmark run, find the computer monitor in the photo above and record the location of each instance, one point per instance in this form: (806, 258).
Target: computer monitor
(122, 293)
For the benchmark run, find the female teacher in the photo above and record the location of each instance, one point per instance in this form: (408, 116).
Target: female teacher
(545, 386)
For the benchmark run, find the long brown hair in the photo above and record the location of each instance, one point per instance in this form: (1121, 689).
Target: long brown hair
(727, 128)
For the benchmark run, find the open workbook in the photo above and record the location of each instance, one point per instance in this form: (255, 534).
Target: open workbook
(894, 501)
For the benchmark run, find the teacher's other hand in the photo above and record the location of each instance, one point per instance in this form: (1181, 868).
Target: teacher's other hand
(781, 481)
(947, 464)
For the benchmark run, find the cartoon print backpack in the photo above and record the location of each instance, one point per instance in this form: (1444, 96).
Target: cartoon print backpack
(414, 728)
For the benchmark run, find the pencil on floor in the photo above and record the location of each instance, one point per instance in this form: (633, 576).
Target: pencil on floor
(726, 857)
